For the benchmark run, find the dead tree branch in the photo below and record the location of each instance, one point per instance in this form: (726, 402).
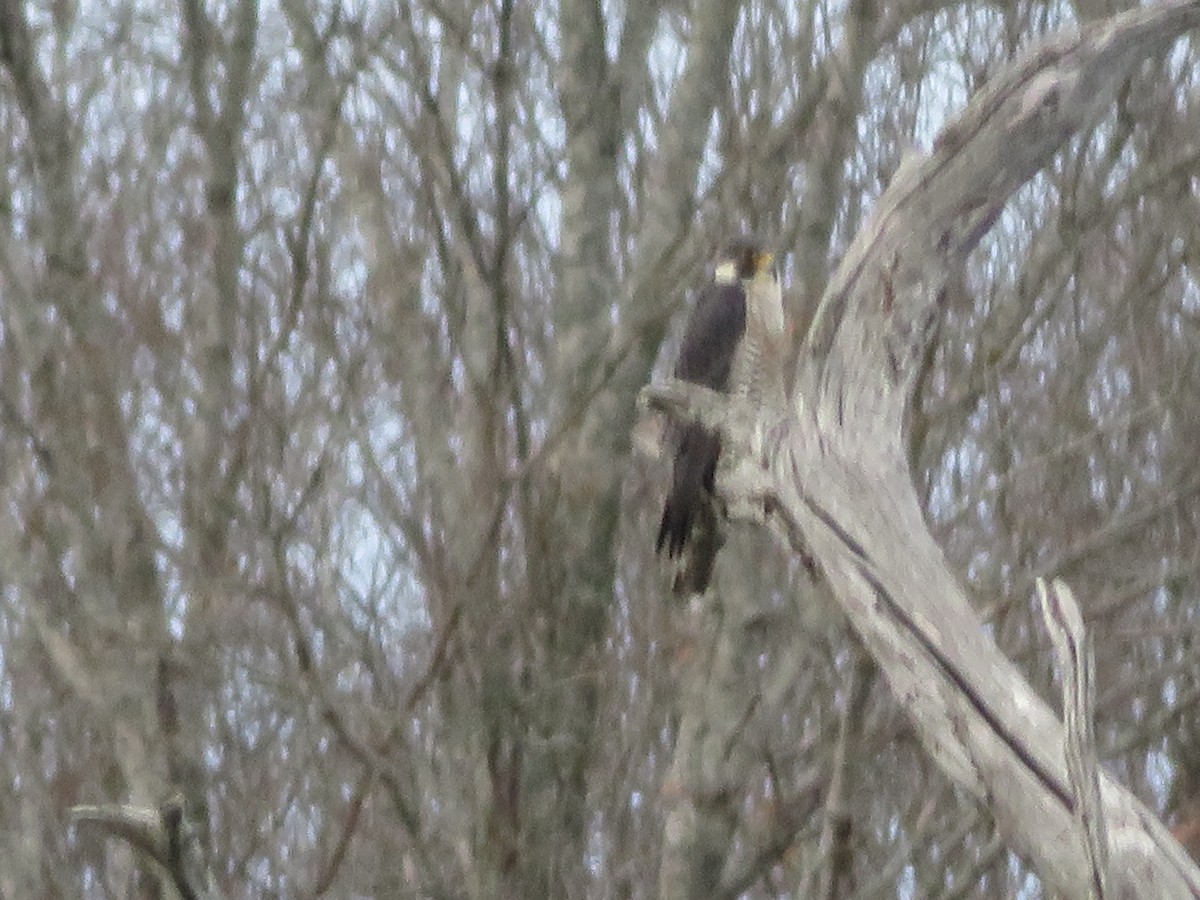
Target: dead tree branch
(1077, 671)
(835, 473)
(164, 835)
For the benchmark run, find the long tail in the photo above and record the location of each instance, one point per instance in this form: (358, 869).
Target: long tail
(689, 527)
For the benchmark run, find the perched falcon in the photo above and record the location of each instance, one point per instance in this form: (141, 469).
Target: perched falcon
(732, 342)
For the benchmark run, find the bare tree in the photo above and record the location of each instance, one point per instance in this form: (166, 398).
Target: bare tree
(326, 563)
(974, 713)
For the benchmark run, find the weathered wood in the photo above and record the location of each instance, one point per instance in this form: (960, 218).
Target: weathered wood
(1077, 671)
(833, 472)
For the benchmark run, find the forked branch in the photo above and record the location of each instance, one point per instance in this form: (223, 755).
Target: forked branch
(162, 835)
(837, 475)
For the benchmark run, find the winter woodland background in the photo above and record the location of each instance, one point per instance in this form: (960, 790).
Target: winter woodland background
(321, 329)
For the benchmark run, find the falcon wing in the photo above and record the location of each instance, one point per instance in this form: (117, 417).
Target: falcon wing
(712, 336)
(706, 357)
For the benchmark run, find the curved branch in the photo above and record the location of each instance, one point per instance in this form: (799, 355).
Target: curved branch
(838, 480)
(845, 486)
(166, 835)
(939, 206)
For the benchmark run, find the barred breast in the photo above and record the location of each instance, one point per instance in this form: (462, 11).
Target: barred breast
(757, 365)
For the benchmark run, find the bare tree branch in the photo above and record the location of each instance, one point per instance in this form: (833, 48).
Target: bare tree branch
(841, 483)
(1077, 670)
(163, 835)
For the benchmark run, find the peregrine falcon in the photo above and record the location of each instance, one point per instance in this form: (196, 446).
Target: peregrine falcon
(732, 342)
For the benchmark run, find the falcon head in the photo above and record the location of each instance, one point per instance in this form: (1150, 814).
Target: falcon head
(746, 260)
